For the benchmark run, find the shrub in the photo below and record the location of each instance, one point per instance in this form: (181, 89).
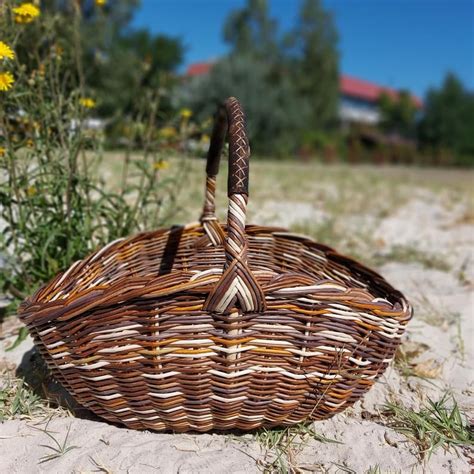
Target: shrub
(54, 205)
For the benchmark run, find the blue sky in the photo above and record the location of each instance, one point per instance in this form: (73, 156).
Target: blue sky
(398, 43)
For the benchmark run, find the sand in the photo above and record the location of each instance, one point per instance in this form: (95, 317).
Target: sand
(443, 327)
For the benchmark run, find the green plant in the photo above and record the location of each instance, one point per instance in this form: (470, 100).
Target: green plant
(439, 424)
(18, 400)
(56, 201)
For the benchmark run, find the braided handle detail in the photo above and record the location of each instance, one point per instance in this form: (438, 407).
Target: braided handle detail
(237, 283)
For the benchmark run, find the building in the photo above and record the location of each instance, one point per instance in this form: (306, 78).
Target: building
(358, 98)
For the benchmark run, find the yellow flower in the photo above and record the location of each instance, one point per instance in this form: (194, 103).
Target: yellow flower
(31, 191)
(87, 102)
(2, 151)
(6, 51)
(168, 132)
(185, 113)
(161, 165)
(205, 139)
(26, 13)
(6, 81)
(100, 3)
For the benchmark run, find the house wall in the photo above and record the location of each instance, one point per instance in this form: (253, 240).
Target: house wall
(353, 109)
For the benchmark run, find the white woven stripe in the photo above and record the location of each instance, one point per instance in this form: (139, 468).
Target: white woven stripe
(238, 209)
(161, 376)
(311, 288)
(245, 293)
(165, 395)
(65, 275)
(211, 271)
(47, 331)
(101, 251)
(257, 368)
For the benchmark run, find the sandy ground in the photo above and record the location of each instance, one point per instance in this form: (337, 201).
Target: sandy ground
(443, 328)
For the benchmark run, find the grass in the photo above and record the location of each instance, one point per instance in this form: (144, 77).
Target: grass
(25, 395)
(283, 444)
(459, 341)
(100, 466)
(18, 400)
(433, 313)
(57, 448)
(440, 424)
(410, 254)
(326, 232)
(340, 189)
(378, 470)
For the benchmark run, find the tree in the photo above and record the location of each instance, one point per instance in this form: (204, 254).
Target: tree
(276, 115)
(314, 58)
(135, 60)
(448, 120)
(398, 114)
(288, 84)
(251, 31)
(117, 62)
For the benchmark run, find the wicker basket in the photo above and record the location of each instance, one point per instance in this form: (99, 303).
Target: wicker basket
(210, 326)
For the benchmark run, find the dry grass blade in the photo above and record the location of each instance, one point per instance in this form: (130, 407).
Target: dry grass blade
(285, 442)
(378, 470)
(58, 448)
(407, 364)
(100, 467)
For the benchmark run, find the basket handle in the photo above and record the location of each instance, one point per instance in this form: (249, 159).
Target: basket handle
(237, 282)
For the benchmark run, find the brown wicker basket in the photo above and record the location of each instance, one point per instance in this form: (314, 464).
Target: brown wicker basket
(217, 327)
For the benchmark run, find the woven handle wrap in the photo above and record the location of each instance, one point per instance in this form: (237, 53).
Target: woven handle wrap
(237, 283)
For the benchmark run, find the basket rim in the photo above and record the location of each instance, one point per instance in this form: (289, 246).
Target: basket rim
(98, 294)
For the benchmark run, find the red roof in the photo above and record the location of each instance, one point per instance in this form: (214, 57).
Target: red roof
(198, 69)
(369, 91)
(348, 85)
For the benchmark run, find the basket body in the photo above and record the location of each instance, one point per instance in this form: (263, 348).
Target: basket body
(217, 327)
(126, 333)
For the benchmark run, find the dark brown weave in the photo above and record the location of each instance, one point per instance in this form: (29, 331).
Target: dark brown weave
(212, 326)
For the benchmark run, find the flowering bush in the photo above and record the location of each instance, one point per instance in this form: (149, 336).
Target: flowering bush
(55, 206)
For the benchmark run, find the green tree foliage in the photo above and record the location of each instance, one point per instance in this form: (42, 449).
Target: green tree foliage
(314, 62)
(133, 61)
(398, 114)
(285, 94)
(448, 120)
(275, 114)
(116, 61)
(251, 31)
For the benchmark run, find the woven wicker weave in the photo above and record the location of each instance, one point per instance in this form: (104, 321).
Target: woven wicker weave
(212, 326)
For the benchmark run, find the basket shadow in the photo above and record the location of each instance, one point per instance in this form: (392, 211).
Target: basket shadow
(171, 249)
(35, 373)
